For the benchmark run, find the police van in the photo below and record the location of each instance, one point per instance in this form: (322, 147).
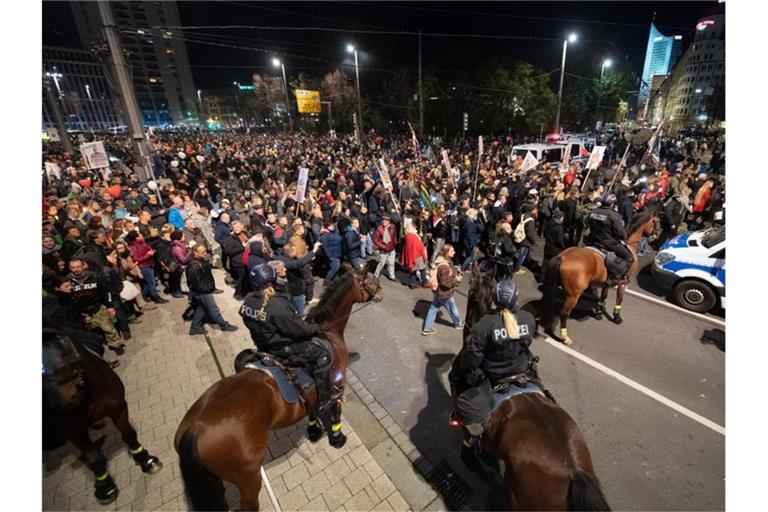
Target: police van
(692, 267)
(552, 152)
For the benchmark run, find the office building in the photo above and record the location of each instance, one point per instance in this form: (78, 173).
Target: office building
(82, 89)
(661, 56)
(156, 55)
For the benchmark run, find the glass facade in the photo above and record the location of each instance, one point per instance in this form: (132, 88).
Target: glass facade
(660, 57)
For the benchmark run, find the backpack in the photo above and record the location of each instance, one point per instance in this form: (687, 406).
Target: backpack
(546, 206)
(519, 234)
(433, 277)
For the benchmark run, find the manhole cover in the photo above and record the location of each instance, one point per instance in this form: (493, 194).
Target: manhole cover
(451, 488)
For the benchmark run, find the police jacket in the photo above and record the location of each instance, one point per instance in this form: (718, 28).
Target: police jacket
(280, 326)
(496, 352)
(605, 227)
(90, 291)
(200, 277)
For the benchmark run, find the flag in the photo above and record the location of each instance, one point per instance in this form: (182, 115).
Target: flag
(415, 140)
(654, 148)
(479, 149)
(424, 199)
(530, 162)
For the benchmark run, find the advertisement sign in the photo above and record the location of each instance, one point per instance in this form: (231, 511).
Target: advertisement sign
(308, 101)
(301, 188)
(94, 154)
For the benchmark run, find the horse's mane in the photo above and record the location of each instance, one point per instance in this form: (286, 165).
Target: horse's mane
(638, 219)
(331, 298)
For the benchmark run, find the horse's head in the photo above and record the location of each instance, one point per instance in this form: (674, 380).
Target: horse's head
(367, 286)
(62, 371)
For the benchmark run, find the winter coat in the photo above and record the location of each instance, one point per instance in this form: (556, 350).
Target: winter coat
(332, 244)
(378, 238)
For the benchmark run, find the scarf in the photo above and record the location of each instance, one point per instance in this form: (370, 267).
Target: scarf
(385, 237)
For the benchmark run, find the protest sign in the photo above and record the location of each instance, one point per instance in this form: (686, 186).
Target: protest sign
(384, 174)
(94, 155)
(301, 188)
(530, 162)
(596, 157)
(53, 134)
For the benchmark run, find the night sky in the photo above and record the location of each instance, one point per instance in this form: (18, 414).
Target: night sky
(618, 30)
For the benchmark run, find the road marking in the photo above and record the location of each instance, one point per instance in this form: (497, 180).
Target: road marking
(637, 386)
(675, 307)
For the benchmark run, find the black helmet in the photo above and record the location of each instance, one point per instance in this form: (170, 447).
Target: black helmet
(262, 276)
(609, 200)
(505, 294)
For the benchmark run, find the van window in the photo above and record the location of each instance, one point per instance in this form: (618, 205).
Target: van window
(553, 155)
(575, 150)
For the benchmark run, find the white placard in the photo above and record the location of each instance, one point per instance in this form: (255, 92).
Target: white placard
(384, 173)
(53, 134)
(301, 188)
(530, 162)
(94, 155)
(596, 157)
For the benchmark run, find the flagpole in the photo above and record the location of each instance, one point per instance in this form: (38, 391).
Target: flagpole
(622, 163)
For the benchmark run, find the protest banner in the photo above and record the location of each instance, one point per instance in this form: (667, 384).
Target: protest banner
(308, 101)
(94, 155)
(477, 169)
(595, 158)
(384, 174)
(530, 162)
(301, 187)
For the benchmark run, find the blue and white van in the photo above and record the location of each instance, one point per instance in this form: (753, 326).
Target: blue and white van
(692, 267)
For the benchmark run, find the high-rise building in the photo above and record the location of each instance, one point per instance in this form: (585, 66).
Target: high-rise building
(83, 91)
(661, 55)
(697, 86)
(156, 55)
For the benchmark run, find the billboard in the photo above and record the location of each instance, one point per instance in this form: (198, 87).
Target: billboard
(308, 101)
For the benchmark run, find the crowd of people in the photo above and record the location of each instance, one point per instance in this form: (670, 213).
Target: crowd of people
(115, 246)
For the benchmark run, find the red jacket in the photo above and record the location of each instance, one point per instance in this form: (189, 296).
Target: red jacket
(413, 249)
(141, 255)
(378, 238)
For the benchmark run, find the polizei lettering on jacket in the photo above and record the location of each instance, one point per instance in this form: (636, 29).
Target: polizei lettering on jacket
(598, 216)
(246, 310)
(501, 334)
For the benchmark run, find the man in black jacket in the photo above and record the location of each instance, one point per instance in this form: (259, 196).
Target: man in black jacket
(554, 240)
(201, 288)
(606, 232)
(92, 299)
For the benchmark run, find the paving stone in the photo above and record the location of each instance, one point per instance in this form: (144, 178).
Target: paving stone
(293, 500)
(357, 480)
(318, 462)
(360, 456)
(336, 496)
(316, 505)
(360, 501)
(295, 476)
(277, 466)
(373, 469)
(383, 487)
(397, 502)
(316, 485)
(337, 471)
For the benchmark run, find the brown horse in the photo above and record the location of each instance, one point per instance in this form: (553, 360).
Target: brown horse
(547, 464)
(79, 391)
(224, 434)
(579, 268)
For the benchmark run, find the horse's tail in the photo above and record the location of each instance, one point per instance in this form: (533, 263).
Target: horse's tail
(549, 287)
(204, 490)
(584, 493)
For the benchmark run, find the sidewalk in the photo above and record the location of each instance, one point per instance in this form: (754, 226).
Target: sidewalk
(165, 370)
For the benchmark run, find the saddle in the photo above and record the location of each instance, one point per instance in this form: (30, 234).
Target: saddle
(613, 263)
(294, 382)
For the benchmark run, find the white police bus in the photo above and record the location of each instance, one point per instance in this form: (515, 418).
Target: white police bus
(692, 266)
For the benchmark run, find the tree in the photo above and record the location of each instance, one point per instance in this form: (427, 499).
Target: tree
(267, 93)
(337, 89)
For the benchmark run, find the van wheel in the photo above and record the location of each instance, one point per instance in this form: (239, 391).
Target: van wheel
(695, 296)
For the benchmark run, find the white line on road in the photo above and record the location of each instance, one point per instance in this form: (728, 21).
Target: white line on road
(637, 386)
(271, 493)
(675, 307)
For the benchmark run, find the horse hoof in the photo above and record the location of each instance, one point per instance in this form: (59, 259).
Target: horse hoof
(152, 466)
(567, 341)
(337, 440)
(617, 319)
(106, 494)
(314, 433)
(598, 315)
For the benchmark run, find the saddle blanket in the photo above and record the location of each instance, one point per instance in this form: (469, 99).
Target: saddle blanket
(612, 261)
(250, 358)
(499, 398)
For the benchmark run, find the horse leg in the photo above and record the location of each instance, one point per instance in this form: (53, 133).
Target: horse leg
(570, 303)
(336, 437)
(105, 489)
(148, 463)
(314, 429)
(619, 298)
(600, 308)
(250, 488)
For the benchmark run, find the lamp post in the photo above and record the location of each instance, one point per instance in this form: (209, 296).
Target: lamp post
(571, 39)
(278, 63)
(606, 64)
(352, 49)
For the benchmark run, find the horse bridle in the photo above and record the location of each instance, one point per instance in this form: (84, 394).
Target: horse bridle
(370, 286)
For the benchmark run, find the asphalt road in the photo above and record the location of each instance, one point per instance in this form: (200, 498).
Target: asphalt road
(648, 455)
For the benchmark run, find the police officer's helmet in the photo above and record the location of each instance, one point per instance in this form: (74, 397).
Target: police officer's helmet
(609, 200)
(262, 276)
(505, 294)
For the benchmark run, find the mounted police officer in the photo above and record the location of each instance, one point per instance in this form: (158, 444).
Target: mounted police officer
(606, 232)
(277, 329)
(497, 353)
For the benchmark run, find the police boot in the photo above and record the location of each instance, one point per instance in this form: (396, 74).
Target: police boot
(469, 454)
(324, 390)
(314, 430)
(105, 489)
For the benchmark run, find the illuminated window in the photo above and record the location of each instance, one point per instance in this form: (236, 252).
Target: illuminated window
(152, 80)
(169, 51)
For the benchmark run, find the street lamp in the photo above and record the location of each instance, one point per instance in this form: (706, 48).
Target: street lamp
(56, 77)
(606, 64)
(571, 39)
(278, 63)
(351, 49)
